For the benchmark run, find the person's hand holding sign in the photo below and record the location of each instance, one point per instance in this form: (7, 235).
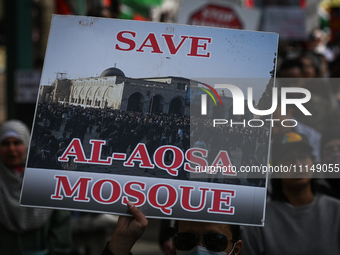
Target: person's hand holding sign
(129, 230)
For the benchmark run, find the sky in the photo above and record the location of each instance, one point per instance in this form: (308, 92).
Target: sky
(84, 47)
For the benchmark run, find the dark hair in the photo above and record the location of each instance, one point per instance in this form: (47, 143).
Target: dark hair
(278, 194)
(289, 64)
(314, 59)
(276, 154)
(277, 191)
(234, 229)
(235, 232)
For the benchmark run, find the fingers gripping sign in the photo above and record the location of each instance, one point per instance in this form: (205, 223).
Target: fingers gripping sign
(128, 231)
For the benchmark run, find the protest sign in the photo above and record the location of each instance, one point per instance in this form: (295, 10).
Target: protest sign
(26, 86)
(288, 21)
(116, 123)
(291, 22)
(218, 14)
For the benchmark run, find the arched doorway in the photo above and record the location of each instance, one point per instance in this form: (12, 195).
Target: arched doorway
(176, 106)
(135, 102)
(156, 104)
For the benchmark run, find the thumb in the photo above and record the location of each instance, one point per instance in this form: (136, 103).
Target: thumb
(139, 216)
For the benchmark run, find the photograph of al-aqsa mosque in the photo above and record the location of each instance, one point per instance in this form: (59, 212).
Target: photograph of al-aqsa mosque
(123, 111)
(112, 89)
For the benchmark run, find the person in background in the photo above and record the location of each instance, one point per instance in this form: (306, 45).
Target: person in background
(299, 219)
(291, 68)
(25, 230)
(330, 156)
(112, 11)
(313, 136)
(200, 143)
(321, 104)
(309, 63)
(164, 239)
(189, 237)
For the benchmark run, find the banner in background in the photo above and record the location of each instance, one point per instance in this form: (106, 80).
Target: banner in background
(291, 22)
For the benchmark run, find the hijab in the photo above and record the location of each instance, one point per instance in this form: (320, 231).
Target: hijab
(13, 216)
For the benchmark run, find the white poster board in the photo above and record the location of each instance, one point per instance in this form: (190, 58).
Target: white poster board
(115, 124)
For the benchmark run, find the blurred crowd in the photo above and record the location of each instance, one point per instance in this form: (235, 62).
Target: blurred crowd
(302, 214)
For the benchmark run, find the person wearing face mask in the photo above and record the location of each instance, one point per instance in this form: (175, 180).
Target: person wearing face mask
(24, 230)
(189, 238)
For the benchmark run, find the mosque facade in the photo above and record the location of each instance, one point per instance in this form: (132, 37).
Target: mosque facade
(112, 89)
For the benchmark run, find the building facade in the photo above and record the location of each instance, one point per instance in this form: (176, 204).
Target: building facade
(112, 89)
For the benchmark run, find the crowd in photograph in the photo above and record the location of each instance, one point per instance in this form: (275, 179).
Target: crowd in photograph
(123, 130)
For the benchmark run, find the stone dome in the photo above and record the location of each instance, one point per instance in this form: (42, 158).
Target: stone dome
(113, 71)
